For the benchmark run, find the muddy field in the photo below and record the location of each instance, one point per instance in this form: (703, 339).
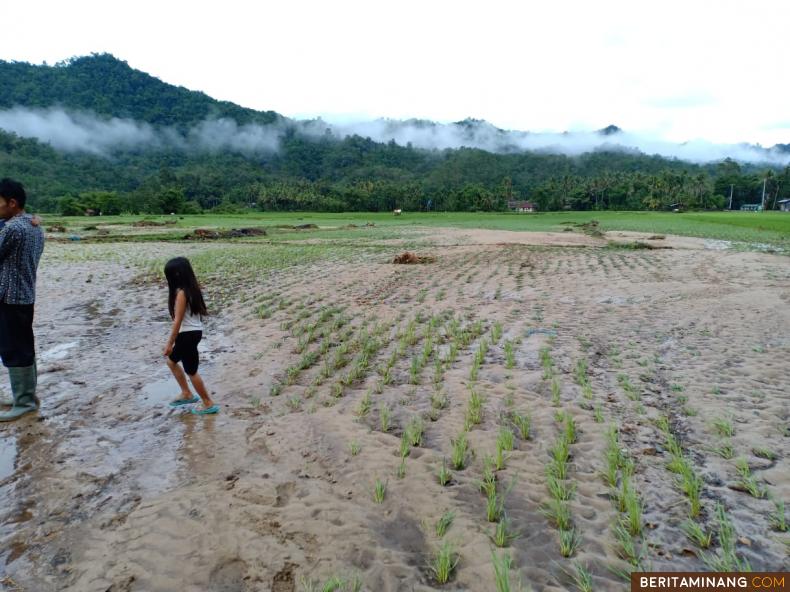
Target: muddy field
(573, 411)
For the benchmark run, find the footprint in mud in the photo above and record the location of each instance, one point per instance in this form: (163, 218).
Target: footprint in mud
(284, 493)
(284, 579)
(228, 576)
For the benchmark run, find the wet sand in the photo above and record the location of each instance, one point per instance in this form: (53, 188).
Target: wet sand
(108, 489)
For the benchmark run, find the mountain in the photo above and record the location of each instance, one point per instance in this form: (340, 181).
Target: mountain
(107, 86)
(94, 132)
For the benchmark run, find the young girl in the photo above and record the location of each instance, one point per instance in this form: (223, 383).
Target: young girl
(186, 309)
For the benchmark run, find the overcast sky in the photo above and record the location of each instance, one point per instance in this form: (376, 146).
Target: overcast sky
(678, 70)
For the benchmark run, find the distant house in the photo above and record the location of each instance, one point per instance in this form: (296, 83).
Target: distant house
(752, 208)
(521, 206)
(784, 205)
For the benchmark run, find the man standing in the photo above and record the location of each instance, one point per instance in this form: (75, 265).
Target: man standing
(21, 245)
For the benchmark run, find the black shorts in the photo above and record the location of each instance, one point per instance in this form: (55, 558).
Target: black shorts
(186, 350)
(17, 346)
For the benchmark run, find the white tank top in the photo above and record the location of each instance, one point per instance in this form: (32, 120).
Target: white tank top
(191, 322)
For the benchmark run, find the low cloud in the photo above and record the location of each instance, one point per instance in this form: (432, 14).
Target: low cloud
(70, 131)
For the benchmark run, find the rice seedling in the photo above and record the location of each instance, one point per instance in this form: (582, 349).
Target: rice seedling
(400, 473)
(355, 447)
(385, 415)
(496, 332)
(364, 405)
(439, 400)
(505, 438)
(502, 567)
(580, 372)
(625, 384)
(632, 506)
(445, 476)
(337, 390)
(555, 392)
(379, 491)
(725, 450)
(570, 431)
(626, 548)
(444, 522)
(502, 535)
(778, 520)
(546, 362)
(558, 512)
(748, 482)
(510, 354)
(691, 485)
(414, 431)
(460, 448)
(598, 413)
(474, 409)
(275, 389)
(523, 423)
(404, 448)
(724, 427)
(444, 562)
(494, 506)
(560, 454)
(560, 489)
(765, 453)
(582, 578)
(295, 403)
(696, 534)
(726, 559)
(474, 370)
(499, 458)
(569, 542)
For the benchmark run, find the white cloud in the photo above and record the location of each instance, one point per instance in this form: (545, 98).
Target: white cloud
(84, 132)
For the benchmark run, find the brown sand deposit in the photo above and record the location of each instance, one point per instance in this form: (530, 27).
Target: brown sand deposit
(108, 489)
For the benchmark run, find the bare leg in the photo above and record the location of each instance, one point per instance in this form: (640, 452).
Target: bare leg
(180, 377)
(200, 387)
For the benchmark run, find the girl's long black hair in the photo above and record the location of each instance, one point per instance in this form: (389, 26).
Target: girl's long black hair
(180, 276)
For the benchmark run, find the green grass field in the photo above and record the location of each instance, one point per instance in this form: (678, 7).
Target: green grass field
(772, 228)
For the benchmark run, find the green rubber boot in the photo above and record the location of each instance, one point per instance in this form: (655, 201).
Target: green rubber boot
(23, 389)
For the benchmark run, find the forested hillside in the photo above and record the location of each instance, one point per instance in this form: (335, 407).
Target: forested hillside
(312, 171)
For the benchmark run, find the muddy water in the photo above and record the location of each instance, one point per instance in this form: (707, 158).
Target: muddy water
(7, 457)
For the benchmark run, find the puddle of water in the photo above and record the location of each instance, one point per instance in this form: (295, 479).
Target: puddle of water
(58, 352)
(7, 457)
(160, 392)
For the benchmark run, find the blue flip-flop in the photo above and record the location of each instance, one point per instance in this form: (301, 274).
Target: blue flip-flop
(182, 402)
(206, 410)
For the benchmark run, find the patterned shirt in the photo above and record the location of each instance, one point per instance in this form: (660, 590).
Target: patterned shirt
(21, 245)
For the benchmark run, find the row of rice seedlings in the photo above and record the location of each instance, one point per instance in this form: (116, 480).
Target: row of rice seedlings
(561, 489)
(617, 472)
(687, 479)
(310, 358)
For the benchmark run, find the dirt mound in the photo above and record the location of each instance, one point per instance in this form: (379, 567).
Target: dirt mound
(56, 228)
(409, 258)
(306, 227)
(205, 234)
